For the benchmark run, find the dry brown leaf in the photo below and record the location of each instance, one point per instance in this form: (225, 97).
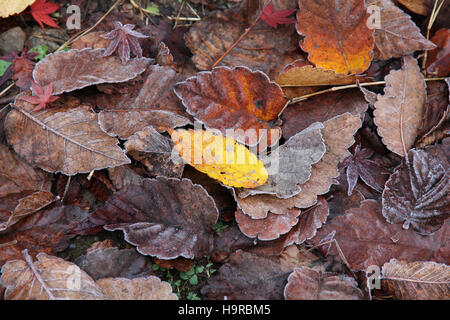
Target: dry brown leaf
(269, 228)
(398, 35)
(336, 34)
(48, 278)
(62, 139)
(123, 176)
(8, 8)
(76, 69)
(150, 288)
(16, 175)
(151, 103)
(28, 205)
(416, 280)
(399, 112)
(338, 135)
(261, 49)
(308, 284)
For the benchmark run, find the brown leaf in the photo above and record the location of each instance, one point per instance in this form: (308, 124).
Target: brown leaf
(398, 35)
(46, 231)
(322, 173)
(237, 98)
(115, 263)
(260, 49)
(336, 34)
(298, 117)
(308, 284)
(418, 192)
(62, 140)
(248, 277)
(367, 239)
(150, 288)
(438, 62)
(76, 69)
(416, 280)
(155, 152)
(164, 57)
(153, 103)
(163, 217)
(93, 40)
(16, 175)
(48, 278)
(123, 176)
(180, 264)
(269, 228)
(309, 222)
(27, 206)
(399, 112)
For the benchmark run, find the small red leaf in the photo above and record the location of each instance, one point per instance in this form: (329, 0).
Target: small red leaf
(40, 11)
(274, 18)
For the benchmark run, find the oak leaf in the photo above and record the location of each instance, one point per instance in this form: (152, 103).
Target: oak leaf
(399, 112)
(336, 34)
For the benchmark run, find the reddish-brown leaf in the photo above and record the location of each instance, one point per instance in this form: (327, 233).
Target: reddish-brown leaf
(438, 62)
(40, 11)
(163, 217)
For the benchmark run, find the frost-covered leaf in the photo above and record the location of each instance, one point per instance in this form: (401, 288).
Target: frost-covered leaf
(308, 284)
(76, 69)
(416, 280)
(399, 112)
(150, 288)
(418, 192)
(62, 139)
(163, 217)
(48, 278)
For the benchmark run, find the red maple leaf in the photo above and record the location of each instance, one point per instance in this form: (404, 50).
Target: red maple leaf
(274, 18)
(43, 96)
(40, 11)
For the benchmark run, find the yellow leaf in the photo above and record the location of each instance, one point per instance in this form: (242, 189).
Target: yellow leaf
(10, 7)
(221, 158)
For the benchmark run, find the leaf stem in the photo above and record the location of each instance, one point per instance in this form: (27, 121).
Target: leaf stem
(37, 274)
(235, 43)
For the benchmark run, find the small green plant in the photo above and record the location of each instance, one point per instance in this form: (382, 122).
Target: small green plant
(3, 66)
(192, 296)
(41, 50)
(220, 226)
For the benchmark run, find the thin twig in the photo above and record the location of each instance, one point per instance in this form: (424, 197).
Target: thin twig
(7, 88)
(79, 35)
(37, 274)
(66, 188)
(179, 14)
(183, 18)
(7, 244)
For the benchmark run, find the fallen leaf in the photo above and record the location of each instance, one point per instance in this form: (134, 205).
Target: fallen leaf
(289, 166)
(27, 206)
(164, 217)
(123, 176)
(153, 103)
(299, 116)
(41, 9)
(308, 284)
(180, 264)
(48, 278)
(16, 175)
(48, 230)
(302, 73)
(164, 57)
(62, 140)
(8, 8)
(268, 228)
(399, 112)
(93, 40)
(115, 263)
(417, 193)
(76, 69)
(366, 239)
(155, 152)
(397, 35)
(275, 17)
(221, 158)
(239, 99)
(322, 173)
(438, 62)
(42, 97)
(124, 39)
(336, 34)
(150, 288)
(416, 280)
